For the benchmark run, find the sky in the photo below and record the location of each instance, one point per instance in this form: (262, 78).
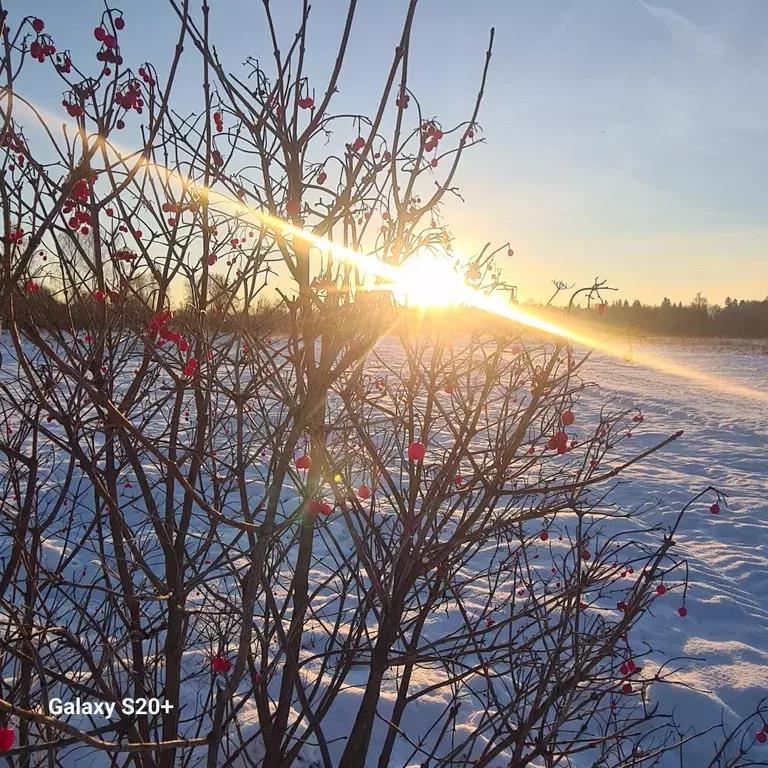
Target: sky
(623, 139)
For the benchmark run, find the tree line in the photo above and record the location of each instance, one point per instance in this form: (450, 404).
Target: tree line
(736, 318)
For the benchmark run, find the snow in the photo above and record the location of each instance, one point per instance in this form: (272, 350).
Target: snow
(721, 646)
(724, 445)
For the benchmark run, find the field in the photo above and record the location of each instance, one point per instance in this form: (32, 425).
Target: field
(725, 633)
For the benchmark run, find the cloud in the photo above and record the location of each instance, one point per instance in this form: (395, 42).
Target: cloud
(684, 31)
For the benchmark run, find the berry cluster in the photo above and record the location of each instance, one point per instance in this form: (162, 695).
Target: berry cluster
(317, 507)
(145, 76)
(73, 109)
(430, 135)
(42, 47)
(559, 442)
(79, 196)
(130, 98)
(16, 237)
(109, 48)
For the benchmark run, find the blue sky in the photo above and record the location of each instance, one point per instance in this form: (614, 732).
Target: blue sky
(625, 139)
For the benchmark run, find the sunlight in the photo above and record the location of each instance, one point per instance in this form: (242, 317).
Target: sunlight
(430, 281)
(427, 280)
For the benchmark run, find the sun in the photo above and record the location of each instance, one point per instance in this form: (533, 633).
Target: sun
(428, 280)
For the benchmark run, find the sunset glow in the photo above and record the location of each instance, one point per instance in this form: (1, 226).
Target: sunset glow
(426, 280)
(432, 282)
(429, 281)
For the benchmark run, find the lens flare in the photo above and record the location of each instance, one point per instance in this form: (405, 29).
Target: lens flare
(431, 281)
(426, 280)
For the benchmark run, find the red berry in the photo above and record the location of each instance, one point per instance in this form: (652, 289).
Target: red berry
(567, 418)
(543, 535)
(683, 611)
(6, 739)
(416, 451)
(626, 688)
(762, 737)
(661, 590)
(303, 462)
(38, 25)
(119, 23)
(715, 509)
(364, 492)
(100, 33)
(293, 207)
(99, 295)
(220, 665)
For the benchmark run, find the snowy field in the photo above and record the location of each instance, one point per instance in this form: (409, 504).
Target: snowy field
(722, 643)
(724, 445)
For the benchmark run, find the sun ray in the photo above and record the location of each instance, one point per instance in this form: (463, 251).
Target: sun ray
(446, 286)
(453, 291)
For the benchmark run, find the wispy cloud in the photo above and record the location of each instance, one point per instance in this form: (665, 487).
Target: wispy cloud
(684, 31)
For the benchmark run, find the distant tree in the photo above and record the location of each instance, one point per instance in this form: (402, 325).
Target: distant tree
(700, 303)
